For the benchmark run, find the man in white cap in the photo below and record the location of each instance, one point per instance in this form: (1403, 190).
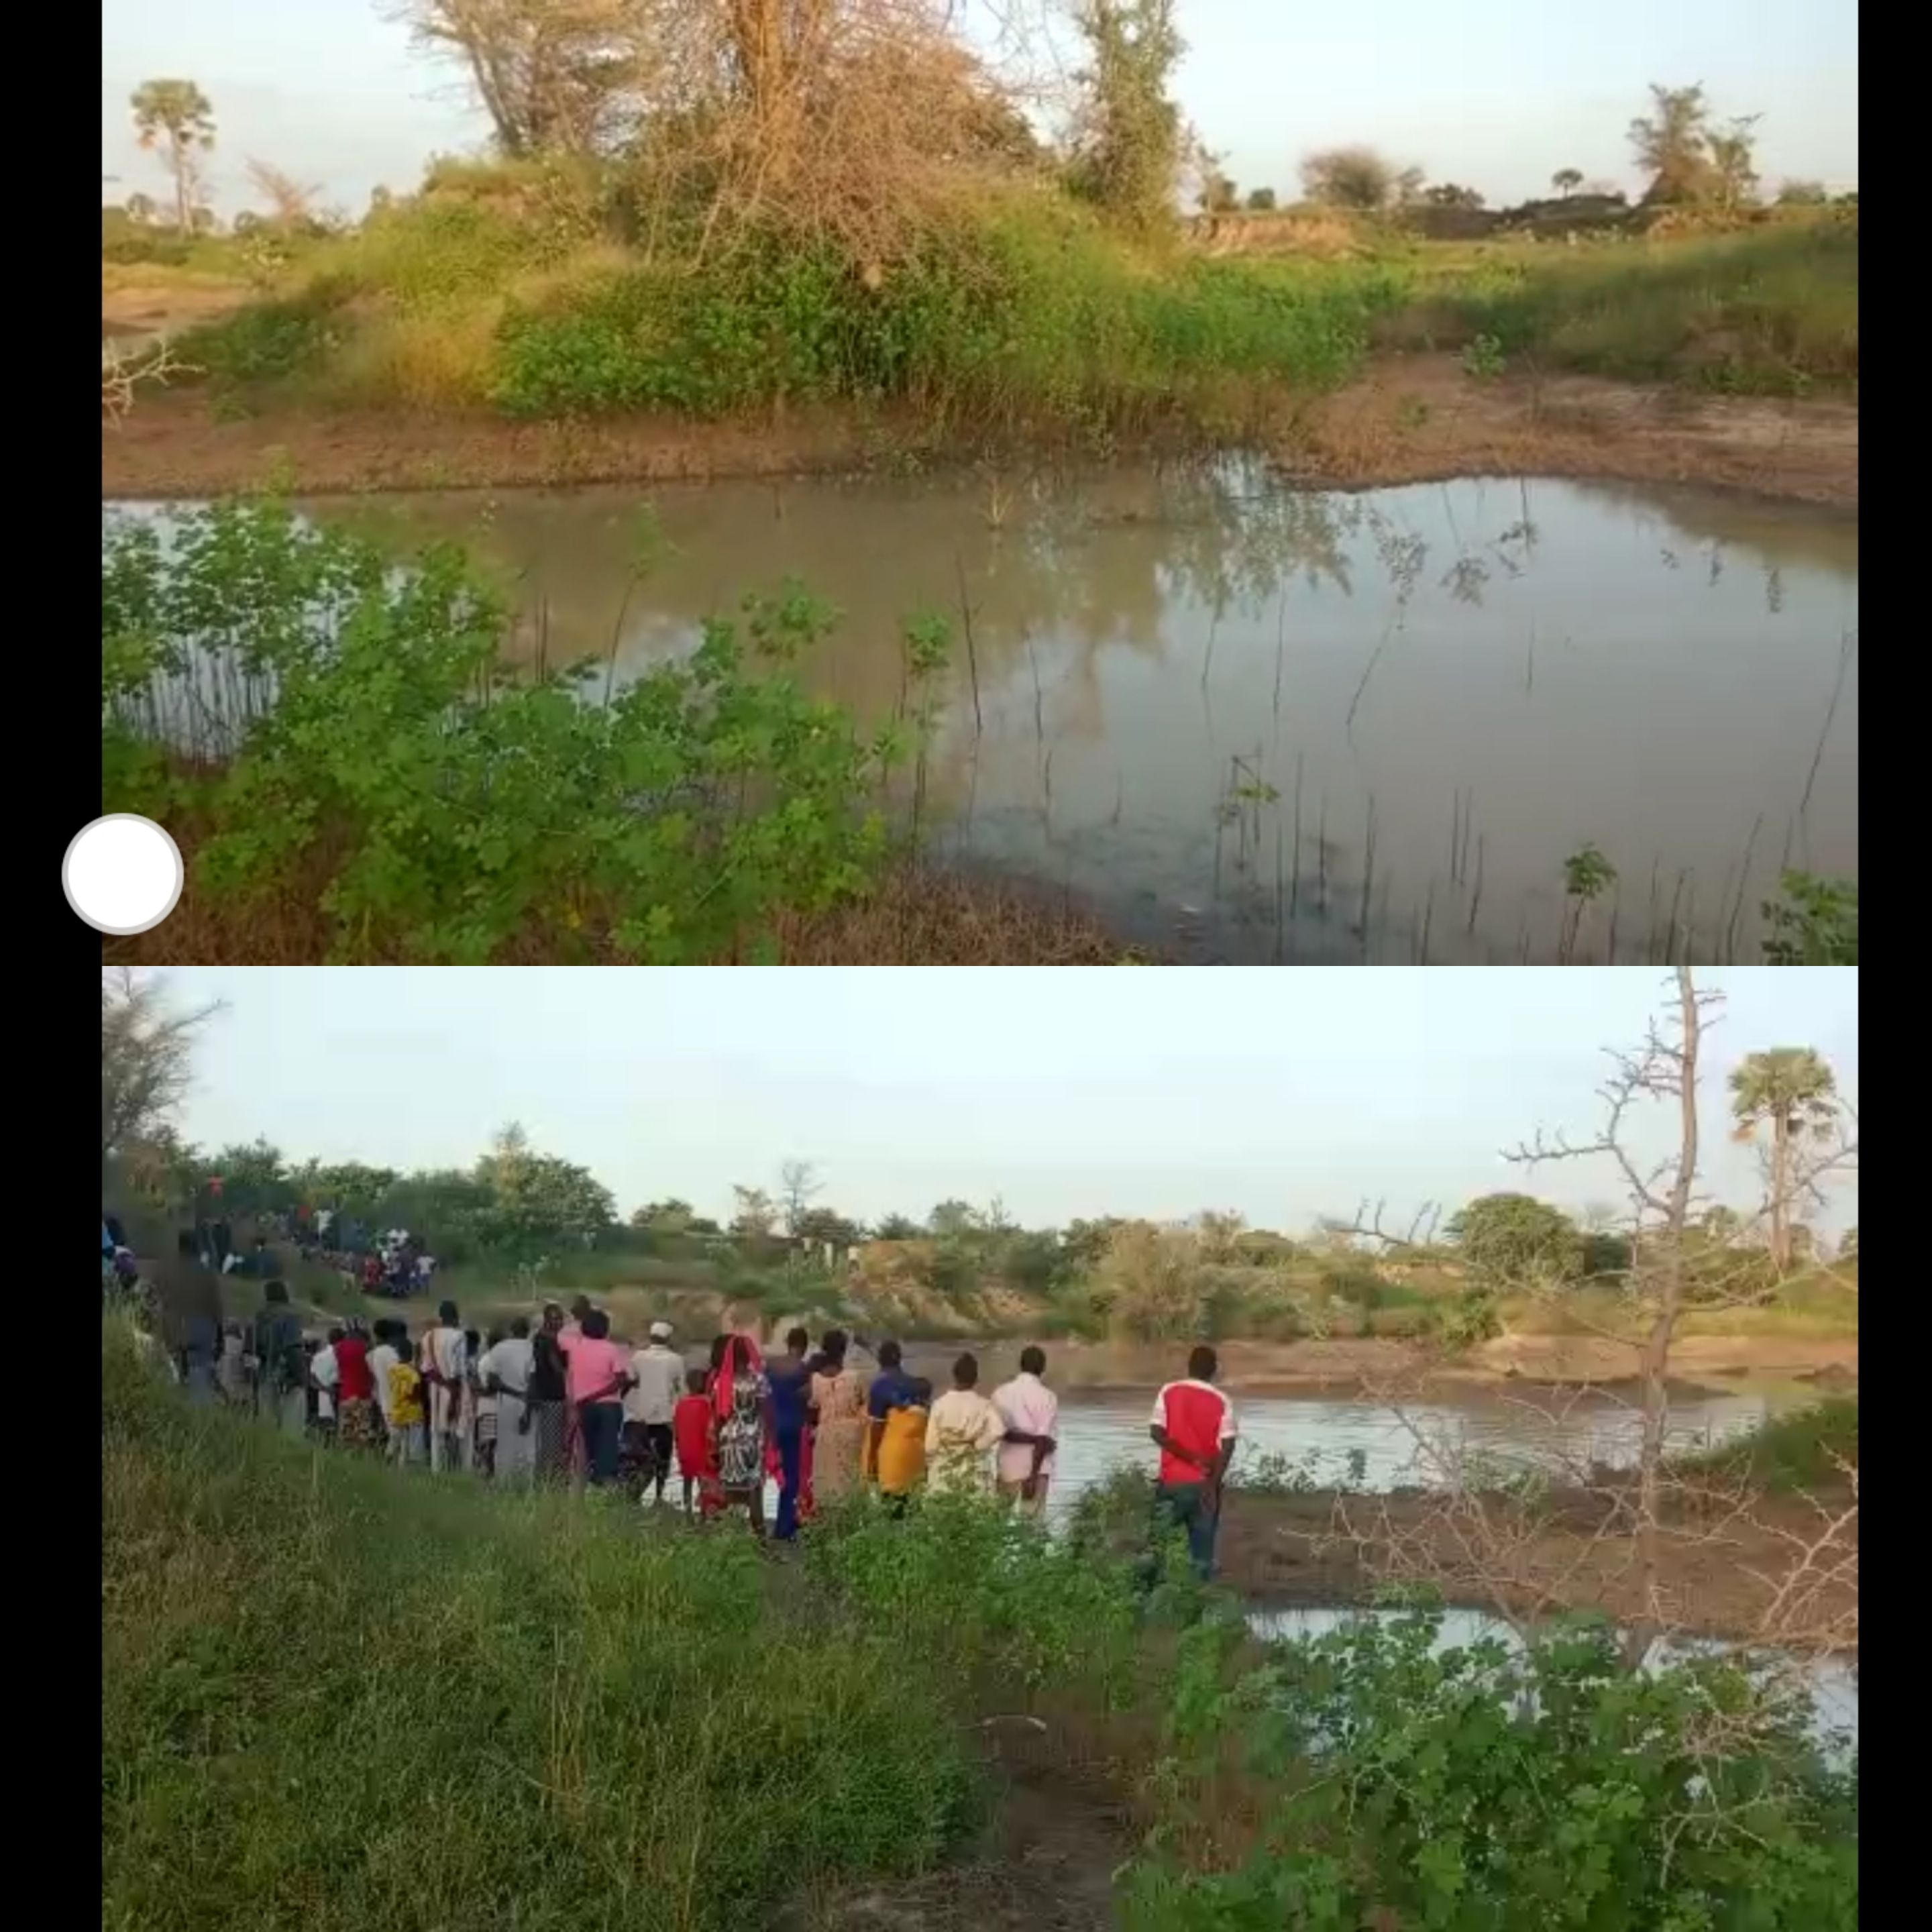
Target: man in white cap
(657, 1370)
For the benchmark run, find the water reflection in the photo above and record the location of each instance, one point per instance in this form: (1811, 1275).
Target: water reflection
(1257, 723)
(1831, 1683)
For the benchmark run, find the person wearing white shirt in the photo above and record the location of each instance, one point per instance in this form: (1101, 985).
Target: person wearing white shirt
(445, 1357)
(505, 1368)
(323, 1372)
(659, 1369)
(383, 1358)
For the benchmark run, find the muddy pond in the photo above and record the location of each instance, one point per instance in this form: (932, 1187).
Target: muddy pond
(1253, 723)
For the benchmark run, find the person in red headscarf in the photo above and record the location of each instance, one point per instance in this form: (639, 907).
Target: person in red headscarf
(742, 1404)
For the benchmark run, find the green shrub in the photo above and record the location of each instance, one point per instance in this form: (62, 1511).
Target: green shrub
(1802, 1451)
(269, 341)
(1476, 1788)
(461, 809)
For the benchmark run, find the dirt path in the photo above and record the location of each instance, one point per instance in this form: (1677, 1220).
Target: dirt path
(1045, 1864)
(1410, 419)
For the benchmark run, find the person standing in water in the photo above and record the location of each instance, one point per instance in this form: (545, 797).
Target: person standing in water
(1193, 1425)
(1031, 1413)
(961, 1432)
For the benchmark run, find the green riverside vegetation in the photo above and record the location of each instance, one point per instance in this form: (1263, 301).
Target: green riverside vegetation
(334, 1695)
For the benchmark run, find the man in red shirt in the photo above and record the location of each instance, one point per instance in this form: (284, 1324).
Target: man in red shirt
(1194, 1423)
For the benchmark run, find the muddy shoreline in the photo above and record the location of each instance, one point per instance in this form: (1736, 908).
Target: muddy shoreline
(1407, 419)
(1379, 1366)
(1721, 1570)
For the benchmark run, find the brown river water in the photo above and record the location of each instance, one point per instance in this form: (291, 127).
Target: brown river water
(1252, 723)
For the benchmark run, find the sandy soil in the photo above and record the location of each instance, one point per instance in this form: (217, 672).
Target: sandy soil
(139, 309)
(1410, 419)
(1420, 418)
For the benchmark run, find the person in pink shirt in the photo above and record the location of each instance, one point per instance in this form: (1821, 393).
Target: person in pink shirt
(1193, 1424)
(598, 1372)
(1031, 1412)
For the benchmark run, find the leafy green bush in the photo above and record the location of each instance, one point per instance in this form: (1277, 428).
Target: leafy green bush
(1802, 1451)
(269, 341)
(1026, 312)
(459, 807)
(1479, 1788)
(1813, 921)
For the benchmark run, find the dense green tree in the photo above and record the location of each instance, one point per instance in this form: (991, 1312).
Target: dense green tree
(1127, 132)
(1507, 1239)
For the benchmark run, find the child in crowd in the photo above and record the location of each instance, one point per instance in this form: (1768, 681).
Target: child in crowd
(231, 1366)
(691, 1430)
(407, 1414)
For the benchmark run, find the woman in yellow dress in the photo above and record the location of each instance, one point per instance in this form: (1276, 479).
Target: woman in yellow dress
(897, 1404)
(838, 1437)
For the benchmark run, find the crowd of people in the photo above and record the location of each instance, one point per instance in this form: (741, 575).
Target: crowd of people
(562, 1402)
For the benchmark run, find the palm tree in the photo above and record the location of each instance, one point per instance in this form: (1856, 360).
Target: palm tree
(173, 118)
(1566, 180)
(1791, 1087)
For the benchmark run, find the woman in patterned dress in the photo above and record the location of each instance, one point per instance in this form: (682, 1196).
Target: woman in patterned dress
(741, 1399)
(838, 1395)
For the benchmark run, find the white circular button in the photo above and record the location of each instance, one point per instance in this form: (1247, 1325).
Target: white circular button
(123, 874)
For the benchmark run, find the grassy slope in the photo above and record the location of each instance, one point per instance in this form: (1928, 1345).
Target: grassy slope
(333, 1699)
(1026, 315)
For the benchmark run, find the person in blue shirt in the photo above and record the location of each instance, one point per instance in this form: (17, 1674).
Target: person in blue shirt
(789, 1380)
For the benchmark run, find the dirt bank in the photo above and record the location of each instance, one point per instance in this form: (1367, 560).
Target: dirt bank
(1722, 1570)
(1366, 1365)
(1409, 419)
(1422, 418)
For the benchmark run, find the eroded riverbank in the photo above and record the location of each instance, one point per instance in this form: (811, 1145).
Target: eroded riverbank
(1407, 419)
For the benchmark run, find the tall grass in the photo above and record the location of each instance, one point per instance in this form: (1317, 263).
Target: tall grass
(335, 1698)
(1774, 309)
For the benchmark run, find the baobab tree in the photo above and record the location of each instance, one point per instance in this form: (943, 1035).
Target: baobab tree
(175, 119)
(1791, 1090)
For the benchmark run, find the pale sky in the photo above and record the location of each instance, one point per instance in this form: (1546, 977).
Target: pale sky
(1495, 94)
(1067, 1093)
